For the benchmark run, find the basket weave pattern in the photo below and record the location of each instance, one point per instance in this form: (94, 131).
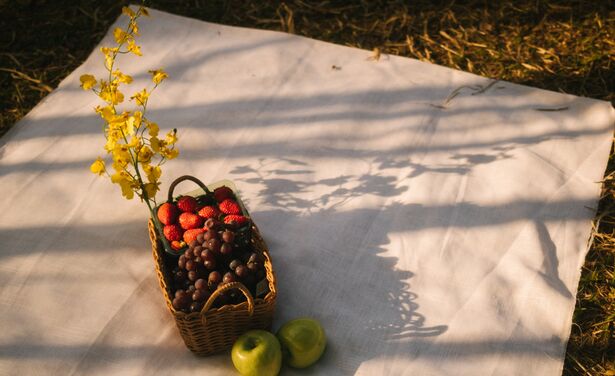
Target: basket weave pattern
(215, 330)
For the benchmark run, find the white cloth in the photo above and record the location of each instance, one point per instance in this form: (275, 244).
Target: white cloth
(430, 233)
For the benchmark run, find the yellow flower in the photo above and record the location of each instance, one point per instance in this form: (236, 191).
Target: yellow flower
(110, 94)
(150, 190)
(141, 97)
(153, 129)
(156, 144)
(109, 53)
(121, 77)
(120, 35)
(171, 138)
(133, 123)
(98, 167)
(144, 11)
(152, 173)
(129, 12)
(107, 113)
(134, 27)
(87, 81)
(126, 183)
(169, 153)
(145, 156)
(132, 47)
(158, 75)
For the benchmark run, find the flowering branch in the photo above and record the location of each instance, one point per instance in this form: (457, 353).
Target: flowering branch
(132, 140)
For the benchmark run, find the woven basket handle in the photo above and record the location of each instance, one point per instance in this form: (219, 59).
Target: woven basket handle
(182, 178)
(225, 287)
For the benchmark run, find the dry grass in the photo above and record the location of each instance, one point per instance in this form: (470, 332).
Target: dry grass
(565, 46)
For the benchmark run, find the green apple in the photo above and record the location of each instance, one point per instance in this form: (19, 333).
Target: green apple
(303, 342)
(257, 353)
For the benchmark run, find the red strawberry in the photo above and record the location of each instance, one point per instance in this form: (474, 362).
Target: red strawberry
(167, 213)
(229, 206)
(177, 245)
(190, 220)
(172, 232)
(187, 204)
(238, 220)
(222, 193)
(191, 234)
(209, 212)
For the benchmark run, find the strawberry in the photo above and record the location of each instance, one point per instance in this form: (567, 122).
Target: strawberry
(190, 220)
(238, 220)
(167, 213)
(209, 212)
(177, 245)
(229, 206)
(190, 235)
(172, 232)
(187, 204)
(222, 193)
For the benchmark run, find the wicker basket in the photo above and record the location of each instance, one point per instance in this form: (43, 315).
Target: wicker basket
(215, 329)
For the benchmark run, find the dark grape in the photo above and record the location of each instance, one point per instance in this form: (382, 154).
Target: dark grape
(253, 266)
(208, 255)
(188, 254)
(190, 265)
(181, 262)
(214, 277)
(254, 257)
(200, 284)
(210, 234)
(199, 237)
(199, 295)
(192, 276)
(180, 293)
(209, 264)
(235, 263)
(229, 277)
(198, 260)
(214, 245)
(242, 271)
(228, 236)
(193, 244)
(226, 249)
(191, 289)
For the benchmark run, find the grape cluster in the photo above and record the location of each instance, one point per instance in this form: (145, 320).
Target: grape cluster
(214, 257)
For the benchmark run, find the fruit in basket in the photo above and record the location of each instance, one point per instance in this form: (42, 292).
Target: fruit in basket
(229, 206)
(303, 341)
(167, 213)
(187, 204)
(257, 353)
(209, 212)
(236, 220)
(173, 232)
(190, 235)
(222, 193)
(188, 221)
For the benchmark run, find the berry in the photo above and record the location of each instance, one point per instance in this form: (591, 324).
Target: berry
(237, 220)
(212, 224)
(172, 232)
(229, 277)
(209, 212)
(223, 193)
(191, 234)
(229, 206)
(167, 213)
(177, 245)
(228, 236)
(226, 249)
(187, 204)
(189, 221)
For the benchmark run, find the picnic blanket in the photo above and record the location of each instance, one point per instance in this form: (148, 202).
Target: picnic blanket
(434, 221)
